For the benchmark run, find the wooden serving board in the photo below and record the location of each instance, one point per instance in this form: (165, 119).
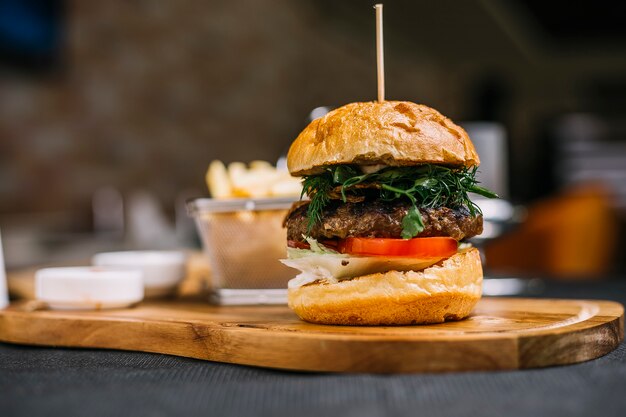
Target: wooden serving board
(502, 333)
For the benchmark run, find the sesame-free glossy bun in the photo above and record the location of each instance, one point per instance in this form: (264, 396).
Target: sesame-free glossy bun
(394, 133)
(445, 291)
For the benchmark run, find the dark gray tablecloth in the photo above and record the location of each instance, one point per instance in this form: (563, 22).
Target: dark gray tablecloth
(66, 382)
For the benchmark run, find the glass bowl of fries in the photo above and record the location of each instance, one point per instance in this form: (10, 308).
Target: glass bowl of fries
(242, 232)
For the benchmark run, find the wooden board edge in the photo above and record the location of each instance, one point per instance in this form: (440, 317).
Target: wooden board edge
(579, 345)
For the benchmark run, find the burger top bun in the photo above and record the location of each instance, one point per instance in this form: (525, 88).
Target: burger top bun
(393, 133)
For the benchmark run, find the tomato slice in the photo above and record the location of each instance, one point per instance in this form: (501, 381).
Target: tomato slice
(298, 245)
(332, 244)
(421, 247)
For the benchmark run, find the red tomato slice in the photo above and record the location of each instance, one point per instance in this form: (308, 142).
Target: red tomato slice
(419, 247)
(299, 245)
(332, 244)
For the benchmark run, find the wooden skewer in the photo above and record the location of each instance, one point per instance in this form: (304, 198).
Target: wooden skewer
(380, 58)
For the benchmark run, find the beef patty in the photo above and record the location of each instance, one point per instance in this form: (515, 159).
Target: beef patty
(379, 219)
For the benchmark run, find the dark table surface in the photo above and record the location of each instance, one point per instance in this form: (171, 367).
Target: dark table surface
(38, 381)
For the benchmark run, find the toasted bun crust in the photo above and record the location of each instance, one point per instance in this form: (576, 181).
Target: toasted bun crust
(394, 133)
(446, 291)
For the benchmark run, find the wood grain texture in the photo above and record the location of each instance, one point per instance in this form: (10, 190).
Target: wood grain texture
(502, 333)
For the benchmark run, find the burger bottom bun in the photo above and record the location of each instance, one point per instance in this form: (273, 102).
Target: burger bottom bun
(445, 291)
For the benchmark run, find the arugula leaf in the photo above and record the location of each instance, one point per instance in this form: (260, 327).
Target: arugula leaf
(343, 173)
(412, 223)
(482, 191)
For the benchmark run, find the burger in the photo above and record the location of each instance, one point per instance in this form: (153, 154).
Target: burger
(381, 239)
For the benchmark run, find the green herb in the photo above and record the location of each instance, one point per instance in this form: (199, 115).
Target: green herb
(317, 188)
(425, 186)
(412, 223)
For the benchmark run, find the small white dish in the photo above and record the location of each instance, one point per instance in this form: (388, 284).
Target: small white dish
(162, 270)
(87, 288)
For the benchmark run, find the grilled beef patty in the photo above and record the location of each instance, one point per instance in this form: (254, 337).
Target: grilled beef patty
(379, 219)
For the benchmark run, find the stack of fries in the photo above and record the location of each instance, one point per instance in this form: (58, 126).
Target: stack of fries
(259, 179)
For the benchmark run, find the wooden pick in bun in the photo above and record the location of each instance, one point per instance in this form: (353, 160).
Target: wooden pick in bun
(378, 243)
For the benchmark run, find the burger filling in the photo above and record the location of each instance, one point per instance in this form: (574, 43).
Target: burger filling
(394, 218)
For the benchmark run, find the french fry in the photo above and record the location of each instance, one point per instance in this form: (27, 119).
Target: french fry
(217, 180)
(237, 173)
(264, 165)
(286, 187)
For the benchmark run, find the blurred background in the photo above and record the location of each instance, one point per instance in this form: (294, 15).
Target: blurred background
(110, 112)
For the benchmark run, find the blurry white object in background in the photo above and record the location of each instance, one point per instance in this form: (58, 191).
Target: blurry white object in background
(590, 150)
(318, 112)
(4, 294)
(503, 286)
(498, 216)
(495, 209)
(88, 288)
(186, 234)
(491, 144)
(147, 224)
(108, 211)
(162, 270)
(494, 287)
